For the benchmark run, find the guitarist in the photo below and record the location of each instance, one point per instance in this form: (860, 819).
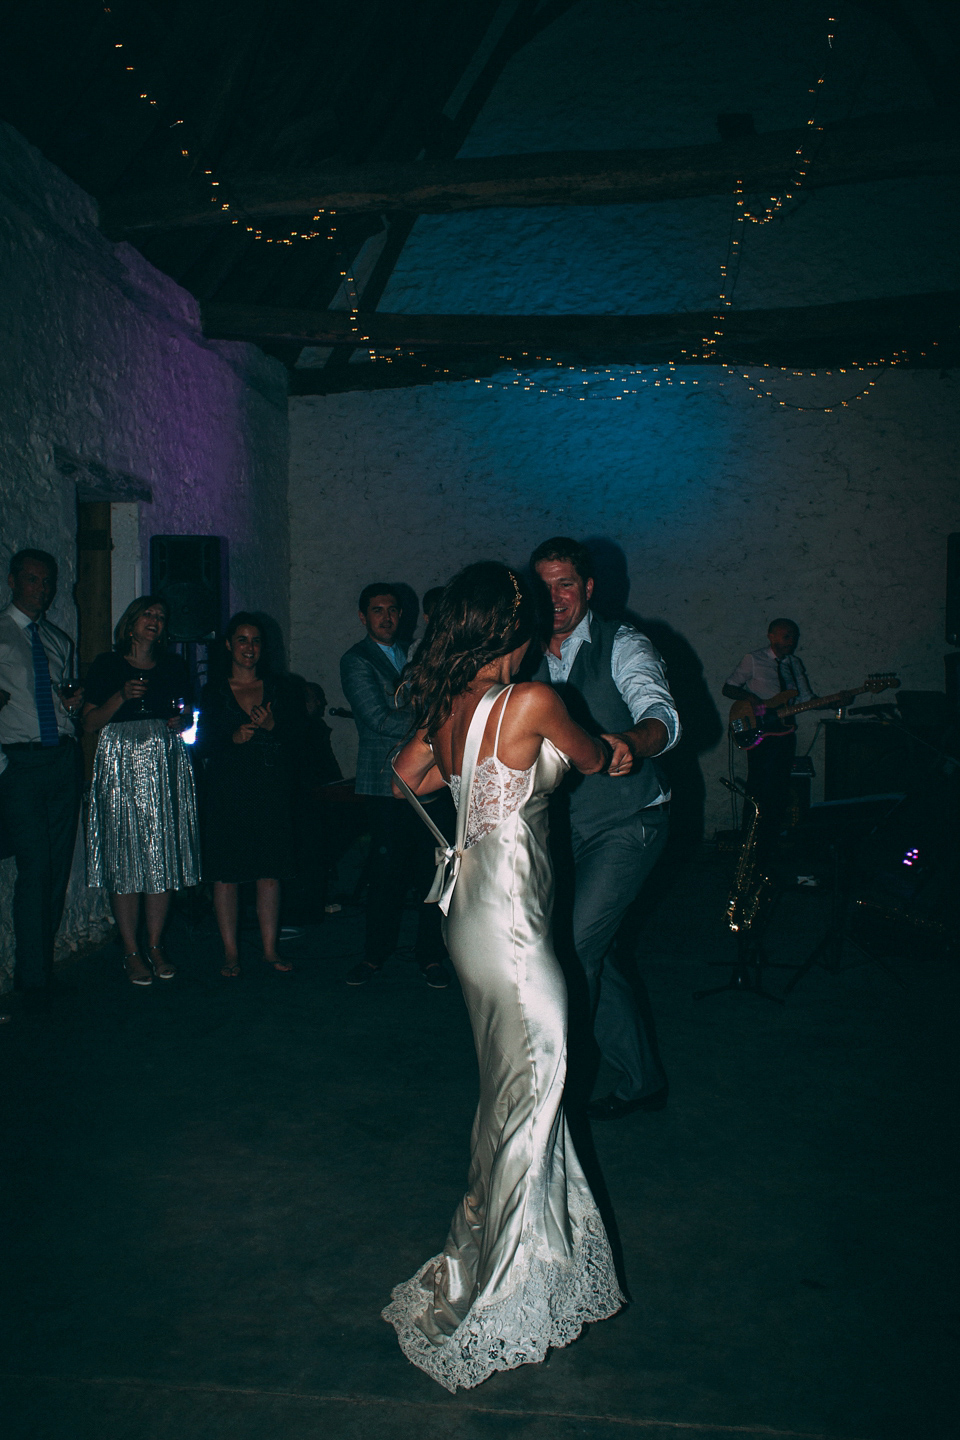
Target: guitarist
(773, 673)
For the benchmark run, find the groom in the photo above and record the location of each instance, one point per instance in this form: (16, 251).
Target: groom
(612, 680)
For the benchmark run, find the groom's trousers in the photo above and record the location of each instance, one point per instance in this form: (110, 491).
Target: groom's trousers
(610, 868)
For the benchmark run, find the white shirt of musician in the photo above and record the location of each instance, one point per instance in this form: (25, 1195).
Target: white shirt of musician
(758, 673)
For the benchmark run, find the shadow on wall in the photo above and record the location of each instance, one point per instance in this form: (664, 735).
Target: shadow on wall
(701, 722)
(409, 613)
(274, 644)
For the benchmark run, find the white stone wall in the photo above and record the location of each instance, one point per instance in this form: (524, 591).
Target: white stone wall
(104, 357)
(727, 509)
(727, 512)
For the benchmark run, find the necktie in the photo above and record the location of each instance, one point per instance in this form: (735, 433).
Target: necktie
(43, 689)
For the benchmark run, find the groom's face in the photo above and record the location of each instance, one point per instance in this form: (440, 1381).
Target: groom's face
(569, 594)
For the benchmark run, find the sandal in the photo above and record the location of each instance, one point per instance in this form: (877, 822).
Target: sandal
(230, 969)
(136, 977)
(161, 967)
(282, 967)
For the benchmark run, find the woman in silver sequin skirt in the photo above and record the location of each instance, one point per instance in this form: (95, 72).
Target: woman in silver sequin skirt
(142, 836)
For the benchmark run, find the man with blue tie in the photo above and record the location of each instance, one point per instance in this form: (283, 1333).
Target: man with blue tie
(401, 847)
(41, 774)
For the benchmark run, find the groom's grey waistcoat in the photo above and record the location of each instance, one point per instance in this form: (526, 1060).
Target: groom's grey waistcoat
(593, 700)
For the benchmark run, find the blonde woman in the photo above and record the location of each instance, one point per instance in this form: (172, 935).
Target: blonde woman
(142, 837)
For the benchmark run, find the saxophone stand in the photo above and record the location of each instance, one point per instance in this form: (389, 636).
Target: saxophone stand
(747, 973)
(750, 886)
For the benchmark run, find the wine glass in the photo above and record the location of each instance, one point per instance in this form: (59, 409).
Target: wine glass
(142, 707)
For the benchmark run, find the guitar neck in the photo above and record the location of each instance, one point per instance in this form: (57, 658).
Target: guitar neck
(823, 702)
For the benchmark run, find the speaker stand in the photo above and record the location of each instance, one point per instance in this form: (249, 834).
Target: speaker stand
(828, 953)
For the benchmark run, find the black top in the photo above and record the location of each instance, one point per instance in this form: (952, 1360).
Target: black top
(167, 682)
(248, 788)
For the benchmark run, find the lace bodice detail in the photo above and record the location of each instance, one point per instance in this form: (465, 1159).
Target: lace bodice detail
(498, 792)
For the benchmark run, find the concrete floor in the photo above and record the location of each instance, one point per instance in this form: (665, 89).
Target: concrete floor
(210, 1188)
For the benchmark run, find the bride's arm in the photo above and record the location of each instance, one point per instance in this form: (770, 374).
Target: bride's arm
(549, 718)
(415, 763)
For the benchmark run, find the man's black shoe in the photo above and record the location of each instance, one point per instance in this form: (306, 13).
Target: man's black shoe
(611, 1107)
(363, 973)
(435, 976)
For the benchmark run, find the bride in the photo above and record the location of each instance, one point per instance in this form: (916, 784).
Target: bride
(527, 1262)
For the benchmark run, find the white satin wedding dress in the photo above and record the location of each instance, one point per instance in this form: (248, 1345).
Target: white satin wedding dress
(527, 1262)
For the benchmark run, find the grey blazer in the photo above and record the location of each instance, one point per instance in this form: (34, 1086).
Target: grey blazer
(370, 683)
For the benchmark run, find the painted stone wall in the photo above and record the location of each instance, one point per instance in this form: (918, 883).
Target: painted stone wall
(718, 508)
(104, 358)
(717, 511)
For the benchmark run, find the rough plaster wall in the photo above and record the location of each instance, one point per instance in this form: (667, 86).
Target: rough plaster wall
(105, 357)
(727, 510)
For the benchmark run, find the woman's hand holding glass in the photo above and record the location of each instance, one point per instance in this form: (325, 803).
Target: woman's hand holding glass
(135, 689)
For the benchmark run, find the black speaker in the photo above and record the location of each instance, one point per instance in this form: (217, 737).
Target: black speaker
(866, 758)
(187, 571)
(953, 589)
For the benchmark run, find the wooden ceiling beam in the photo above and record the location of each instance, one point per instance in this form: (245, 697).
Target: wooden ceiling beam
(845, 332)
(878, 147)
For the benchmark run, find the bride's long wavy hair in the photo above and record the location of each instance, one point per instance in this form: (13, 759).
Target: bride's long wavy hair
(485, 612)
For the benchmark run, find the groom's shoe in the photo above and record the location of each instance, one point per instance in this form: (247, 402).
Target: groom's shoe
(611, 1107)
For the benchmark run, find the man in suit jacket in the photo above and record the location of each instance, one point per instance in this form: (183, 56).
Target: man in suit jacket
(40, 766)
(402, 847)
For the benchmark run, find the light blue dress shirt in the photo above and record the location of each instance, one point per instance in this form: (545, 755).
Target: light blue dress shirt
(638, 674)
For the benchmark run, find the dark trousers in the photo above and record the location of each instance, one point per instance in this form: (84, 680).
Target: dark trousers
(39, 807)
(609, 870)
(768, 782)
(402, 855)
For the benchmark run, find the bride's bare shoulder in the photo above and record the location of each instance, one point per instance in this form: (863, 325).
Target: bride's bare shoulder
(533, 696)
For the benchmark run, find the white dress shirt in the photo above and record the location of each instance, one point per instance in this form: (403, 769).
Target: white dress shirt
(19, 722)
(758, 672)
(638, 674)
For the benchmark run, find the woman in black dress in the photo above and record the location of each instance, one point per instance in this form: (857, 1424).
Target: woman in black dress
(142, 836)
(250, 726)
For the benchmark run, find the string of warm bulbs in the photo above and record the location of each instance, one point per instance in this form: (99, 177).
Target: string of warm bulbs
(219, 189)
(654, 376)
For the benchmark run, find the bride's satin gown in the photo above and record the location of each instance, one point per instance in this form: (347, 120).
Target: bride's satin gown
(527, 1262)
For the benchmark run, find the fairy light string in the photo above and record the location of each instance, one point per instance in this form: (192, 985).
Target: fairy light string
(220, 190)
(628, 381)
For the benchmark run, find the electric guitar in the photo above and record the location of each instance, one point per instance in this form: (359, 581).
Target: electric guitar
(751, 724)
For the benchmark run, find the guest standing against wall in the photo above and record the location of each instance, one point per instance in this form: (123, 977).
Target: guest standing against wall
(402, 853)
(251, 729)
(142, 836)
(40, 771)
(612, 680)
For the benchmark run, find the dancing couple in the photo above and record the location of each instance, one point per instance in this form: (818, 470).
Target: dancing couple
(527, 1262)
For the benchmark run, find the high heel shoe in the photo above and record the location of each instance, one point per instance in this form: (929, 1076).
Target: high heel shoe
(161, 967)
(143, 977)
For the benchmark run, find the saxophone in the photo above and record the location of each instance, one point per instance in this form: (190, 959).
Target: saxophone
(751, 887)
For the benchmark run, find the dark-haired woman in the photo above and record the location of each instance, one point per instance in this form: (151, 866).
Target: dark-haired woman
(527, 1262)
(142, 836)
(250, 726)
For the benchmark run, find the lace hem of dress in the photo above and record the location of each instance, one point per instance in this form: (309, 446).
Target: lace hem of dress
(550, 1304)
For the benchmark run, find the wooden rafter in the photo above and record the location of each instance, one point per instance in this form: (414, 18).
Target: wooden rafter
(925, 327)
(878, 147)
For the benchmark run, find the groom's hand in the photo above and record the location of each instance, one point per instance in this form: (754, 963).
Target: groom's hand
(621, 762)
